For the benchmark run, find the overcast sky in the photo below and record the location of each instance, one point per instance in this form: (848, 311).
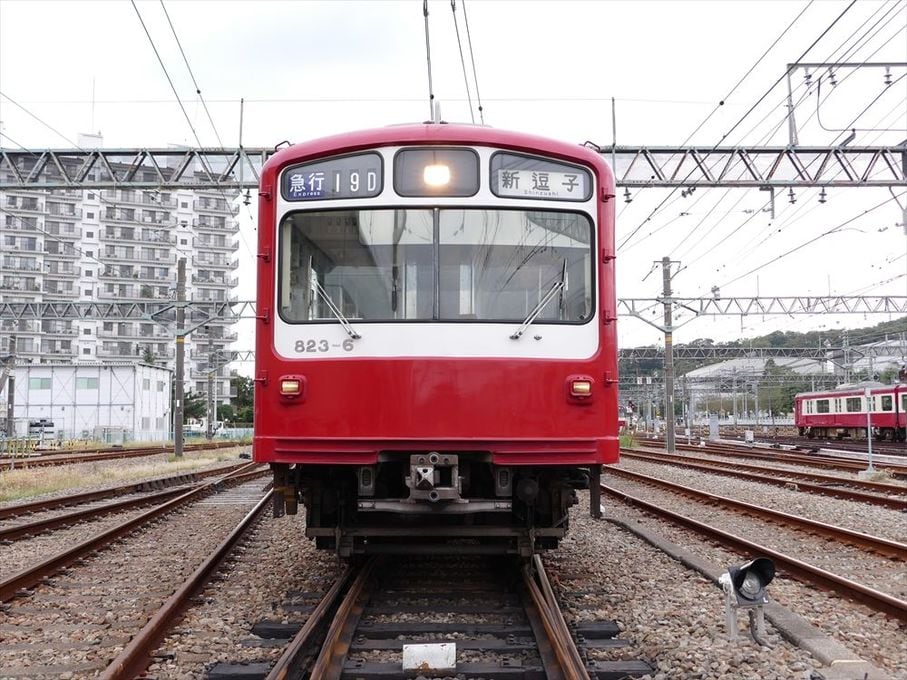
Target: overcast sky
(306, 69)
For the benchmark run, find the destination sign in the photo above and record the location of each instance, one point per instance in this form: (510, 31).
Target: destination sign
(358, 176)
(515, 176)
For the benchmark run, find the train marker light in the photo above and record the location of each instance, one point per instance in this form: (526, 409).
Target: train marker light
(581, 388)
(436, 175)
(745, 587)
(288, 387)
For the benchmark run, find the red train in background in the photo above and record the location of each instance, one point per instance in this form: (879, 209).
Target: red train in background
(842, 413)
(436, 348)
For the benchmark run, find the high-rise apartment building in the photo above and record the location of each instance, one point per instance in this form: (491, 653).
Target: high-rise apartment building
(117, 245)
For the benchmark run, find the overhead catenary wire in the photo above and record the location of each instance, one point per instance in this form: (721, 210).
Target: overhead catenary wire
(179, 101)
(859, 43)
(761, 58)
(453, 14)
(198, 90)
(431, 91)
(472, 59)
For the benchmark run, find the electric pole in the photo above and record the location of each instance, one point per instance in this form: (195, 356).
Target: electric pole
(180, 356)
(209, 431)
(11, 389)
(669, 355)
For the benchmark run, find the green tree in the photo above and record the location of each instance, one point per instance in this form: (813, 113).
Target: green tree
(148, 356)
(195, 406)
(244, 400)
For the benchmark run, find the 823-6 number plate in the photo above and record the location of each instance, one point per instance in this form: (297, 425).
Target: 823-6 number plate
(322, 345)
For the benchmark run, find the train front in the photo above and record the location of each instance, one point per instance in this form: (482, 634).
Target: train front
(436, 364)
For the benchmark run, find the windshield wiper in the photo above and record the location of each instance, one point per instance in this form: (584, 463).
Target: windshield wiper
(335, 310)
(556, 287)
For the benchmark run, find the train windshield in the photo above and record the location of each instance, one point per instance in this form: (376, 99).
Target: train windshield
(440, 264)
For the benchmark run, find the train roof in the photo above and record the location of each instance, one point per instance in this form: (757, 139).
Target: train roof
(851, 389)
(441, 133)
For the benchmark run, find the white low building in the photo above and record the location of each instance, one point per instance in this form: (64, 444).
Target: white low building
(109, 402)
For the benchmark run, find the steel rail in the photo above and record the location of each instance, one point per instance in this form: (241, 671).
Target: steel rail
(136, 655)
(329, 663)
(781, 456)
(883, 546)
(31, 576)
(303, 640)
(56, 459)
(110, 492)
(759, 476)
(568, 656)
(38, 526)
(804, 571)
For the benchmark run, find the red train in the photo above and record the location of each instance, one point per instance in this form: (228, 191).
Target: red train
(843, 412)
(436, 350)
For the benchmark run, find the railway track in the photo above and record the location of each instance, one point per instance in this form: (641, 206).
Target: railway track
(809, 458)
(501, 616)
(876, 493)
(75, 623)
(53, 502)
(166, 502)
(141, 493)
(876, 599)
(51, 459)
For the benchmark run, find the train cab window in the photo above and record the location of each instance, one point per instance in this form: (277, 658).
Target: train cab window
(436, 264)
(887, 403)
(822, 406)
(854, 404)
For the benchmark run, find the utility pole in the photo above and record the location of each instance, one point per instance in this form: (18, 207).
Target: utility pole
(669, 355)
(11, 389)
(209, 433)
(180, 357)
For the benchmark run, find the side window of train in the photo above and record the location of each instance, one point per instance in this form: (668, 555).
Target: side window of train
(887, 403)
(904, 402)
(853, 404)
(822, 406)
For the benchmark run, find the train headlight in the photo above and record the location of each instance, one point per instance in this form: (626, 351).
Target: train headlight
(436, 175)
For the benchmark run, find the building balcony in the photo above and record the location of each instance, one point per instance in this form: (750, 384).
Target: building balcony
(64, 272)
(158, 238)
(19, 286)
(57, 352)
(63, 210)
(230, 246)
(26, 209)
(129, 293)
(229, 227)
(19, 266)
(64, 293)
(63, 332)
(118, 353)
(226, 338)
(74, 234)
(137, 256)
(9, 327)
(63, 254)
(152, 199)
(229, 281)
(211, 263)
(18, 226)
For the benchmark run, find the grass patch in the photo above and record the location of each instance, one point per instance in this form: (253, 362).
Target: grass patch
(24, 482)
(627, 440)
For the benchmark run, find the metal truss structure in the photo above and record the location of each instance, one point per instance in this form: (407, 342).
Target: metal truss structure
(724, 353)
(643, 308)
(634, 166)
(197, 312)
(202, 310)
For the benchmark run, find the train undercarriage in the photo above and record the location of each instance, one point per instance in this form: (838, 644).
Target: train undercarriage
(430, 502)
(880, 434)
